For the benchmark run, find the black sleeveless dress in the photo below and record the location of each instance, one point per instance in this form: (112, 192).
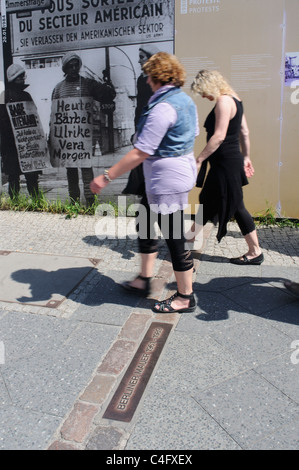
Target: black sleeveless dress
(222, 190)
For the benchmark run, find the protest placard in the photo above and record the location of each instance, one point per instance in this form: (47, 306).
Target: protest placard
(29, 136)
(71, 133)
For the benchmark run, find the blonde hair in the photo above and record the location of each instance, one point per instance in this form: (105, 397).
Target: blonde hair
(165, 68)
(211, 83)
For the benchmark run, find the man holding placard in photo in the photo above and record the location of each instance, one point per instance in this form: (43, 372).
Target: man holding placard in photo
(71, 134)
(23, 143)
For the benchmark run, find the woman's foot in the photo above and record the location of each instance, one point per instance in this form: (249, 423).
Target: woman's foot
(180, 303)
(139, 286)
(248, 259)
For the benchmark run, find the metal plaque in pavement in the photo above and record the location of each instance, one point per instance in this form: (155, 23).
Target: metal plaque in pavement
(126, 398)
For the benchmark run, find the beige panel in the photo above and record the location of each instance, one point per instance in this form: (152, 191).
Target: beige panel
(245, 42)
(289, 171)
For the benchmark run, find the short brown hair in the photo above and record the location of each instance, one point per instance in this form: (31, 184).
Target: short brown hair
(165, 68)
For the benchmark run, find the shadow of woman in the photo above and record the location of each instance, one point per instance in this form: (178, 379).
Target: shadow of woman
(127, 253)
(46, 285)
(220, 298)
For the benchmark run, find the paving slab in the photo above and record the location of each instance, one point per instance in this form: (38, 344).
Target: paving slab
(248, 408)
(259, 296)
(282, 373)
(214, 311)
(182, 425)
(47, 367)
(23, 429)
(286, 319)
(107, 302)
(200, 365)
(39, 279)
(253, 342)
(284, 438)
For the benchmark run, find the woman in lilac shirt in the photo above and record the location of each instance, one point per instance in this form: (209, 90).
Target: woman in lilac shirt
(164, 143)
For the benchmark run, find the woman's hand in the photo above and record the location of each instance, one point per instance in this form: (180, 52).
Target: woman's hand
(199, 161)
(132, 159)
(248, 167)
(98, 183)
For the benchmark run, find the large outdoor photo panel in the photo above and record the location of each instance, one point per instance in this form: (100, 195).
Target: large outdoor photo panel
(253, 44)
(82, 131)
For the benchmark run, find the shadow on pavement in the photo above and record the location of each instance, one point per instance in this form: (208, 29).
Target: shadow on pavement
(218, 298)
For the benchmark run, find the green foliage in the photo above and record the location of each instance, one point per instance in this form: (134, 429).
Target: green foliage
(40, 203)
(269, 217)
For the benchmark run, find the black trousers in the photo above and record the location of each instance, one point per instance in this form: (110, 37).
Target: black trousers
(172, 228)
(243, 219)
(73, 184)
(31, 181)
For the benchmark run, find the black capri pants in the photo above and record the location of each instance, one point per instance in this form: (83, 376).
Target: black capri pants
(244, 219)
(242, 216)
(172, 228)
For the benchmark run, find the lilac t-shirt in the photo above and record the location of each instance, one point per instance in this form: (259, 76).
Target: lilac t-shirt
(168, 180)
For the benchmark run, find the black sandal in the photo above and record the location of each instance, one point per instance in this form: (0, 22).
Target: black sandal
(135, 290)
(166, 304)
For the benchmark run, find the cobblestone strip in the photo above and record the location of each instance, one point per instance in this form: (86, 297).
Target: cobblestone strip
(83, 428)
(279, 245)
(79, 424)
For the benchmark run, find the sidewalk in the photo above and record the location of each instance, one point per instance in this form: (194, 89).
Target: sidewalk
(71, 375)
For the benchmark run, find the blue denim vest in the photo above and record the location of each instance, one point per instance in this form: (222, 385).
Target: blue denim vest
(179, 139)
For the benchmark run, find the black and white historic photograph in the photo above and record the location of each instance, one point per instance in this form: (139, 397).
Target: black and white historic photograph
(74, 89)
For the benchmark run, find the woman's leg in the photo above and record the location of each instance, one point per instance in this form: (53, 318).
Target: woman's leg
(148, 246)
(247, 227)
(252, 241)
(182, 262)
(184, 298)
(146, 270)
(184, 280)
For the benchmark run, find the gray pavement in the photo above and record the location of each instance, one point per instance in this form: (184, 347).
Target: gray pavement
(226, 379)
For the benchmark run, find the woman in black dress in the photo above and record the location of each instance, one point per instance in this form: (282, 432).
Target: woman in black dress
(228, 153)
